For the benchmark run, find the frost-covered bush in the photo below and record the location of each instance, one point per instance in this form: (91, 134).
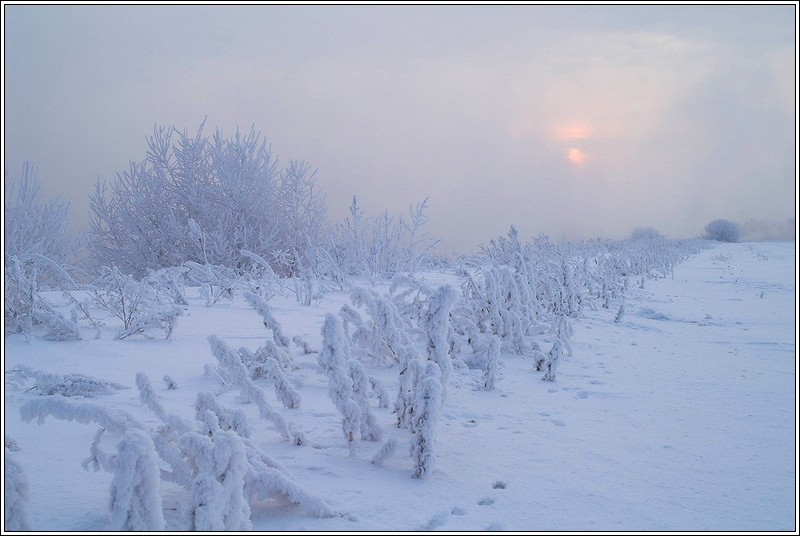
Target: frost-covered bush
(226, 419)
(437, 325)
(135, 498)
(216, 282)
(427, 406)
(34, 228)
(231, 366)
(620, 313)
(492, 360)
(645, 233)
(212, 459)
(370, 429)
(380, 247)
(260, 305)
(333, 358)
(552, 360)
(722, 231)
(69, 385)
(218, 489)
(135, 303)
(230, 187)
(284, 390)
(15, 495)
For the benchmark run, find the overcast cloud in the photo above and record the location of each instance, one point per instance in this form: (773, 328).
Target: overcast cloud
(575, 121)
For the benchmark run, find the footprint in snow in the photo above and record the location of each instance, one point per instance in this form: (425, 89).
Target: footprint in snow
(436, 521)
(486, 501)
(558, 422)
(458, 511)
(499, 484)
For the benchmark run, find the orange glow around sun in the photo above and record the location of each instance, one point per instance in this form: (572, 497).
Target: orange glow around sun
(574, 131)
(576, 156)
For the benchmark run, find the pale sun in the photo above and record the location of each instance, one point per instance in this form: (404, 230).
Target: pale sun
(576, 156)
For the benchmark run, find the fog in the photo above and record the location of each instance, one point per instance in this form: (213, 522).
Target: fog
(569, 121)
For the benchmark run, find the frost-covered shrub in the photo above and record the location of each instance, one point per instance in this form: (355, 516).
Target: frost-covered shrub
(427, 406)
(24, 307)
(15, 495)
(230, 187)
(149, 399)
(218, 490)
(31, 226)
(645, 233)
(135, 303)
(563, 330)
(332, 359)
(385, 337)
(135, 499)
(299, 341)
(35, 232)
(387, 451)
(380, 247)
(230, 362)
(552, 360)
(437, 323)
(226, 419)
(260, 305)
(722, 231)
(370, 429)
(284, 390)
(620, 313)
(380, 392)
(216, 282)
(492, 360)
(68, 385)
(270, 350)
(220, 470)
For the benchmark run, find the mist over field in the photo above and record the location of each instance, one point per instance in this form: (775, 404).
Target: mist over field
(569, 121)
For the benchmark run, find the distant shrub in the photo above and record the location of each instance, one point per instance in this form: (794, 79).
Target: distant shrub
(645, 233)
(722, 231)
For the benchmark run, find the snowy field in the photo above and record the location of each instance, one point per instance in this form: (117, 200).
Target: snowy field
(681, 416)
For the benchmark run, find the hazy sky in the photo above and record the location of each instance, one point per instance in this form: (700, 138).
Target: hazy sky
(576, 121)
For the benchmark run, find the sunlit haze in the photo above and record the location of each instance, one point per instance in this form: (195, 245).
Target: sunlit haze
(572, 121)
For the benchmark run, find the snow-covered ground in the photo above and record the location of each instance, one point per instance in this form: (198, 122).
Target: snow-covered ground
(682, 416)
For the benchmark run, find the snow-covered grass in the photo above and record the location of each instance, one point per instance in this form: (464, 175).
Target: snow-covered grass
(679, 415)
